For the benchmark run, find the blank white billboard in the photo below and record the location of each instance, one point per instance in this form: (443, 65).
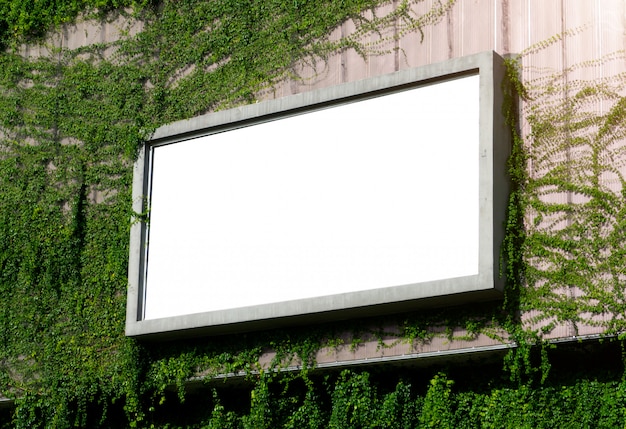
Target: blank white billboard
(269, 212)
(377, 193)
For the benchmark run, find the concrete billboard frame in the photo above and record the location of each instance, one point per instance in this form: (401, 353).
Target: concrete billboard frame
(493, 188)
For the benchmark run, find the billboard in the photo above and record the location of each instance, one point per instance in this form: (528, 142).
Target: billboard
(374, 196)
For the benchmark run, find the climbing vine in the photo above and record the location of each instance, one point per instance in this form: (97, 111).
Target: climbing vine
(575, 194)
(25, 20)
(71, 122)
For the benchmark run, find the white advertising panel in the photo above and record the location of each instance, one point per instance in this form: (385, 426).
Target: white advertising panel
(270, 213)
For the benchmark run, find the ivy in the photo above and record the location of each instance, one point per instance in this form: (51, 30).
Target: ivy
(29, 20)
(573, 201)
(70, 126)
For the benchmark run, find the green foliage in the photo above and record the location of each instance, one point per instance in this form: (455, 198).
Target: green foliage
(353, 401)
(437, 408)
(310, 413)
(574, 200)
(70, 126)
(398, 409)
(578, 406)
(24, 20)
(583, 403)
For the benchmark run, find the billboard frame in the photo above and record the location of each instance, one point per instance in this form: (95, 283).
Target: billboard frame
(494, 148)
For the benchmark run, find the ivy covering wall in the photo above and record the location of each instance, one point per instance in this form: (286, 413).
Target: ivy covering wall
(71, 122)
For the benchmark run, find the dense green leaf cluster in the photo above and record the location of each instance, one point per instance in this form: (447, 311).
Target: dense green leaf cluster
(355, 399)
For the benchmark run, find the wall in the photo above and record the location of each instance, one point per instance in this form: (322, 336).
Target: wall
(569, 177)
